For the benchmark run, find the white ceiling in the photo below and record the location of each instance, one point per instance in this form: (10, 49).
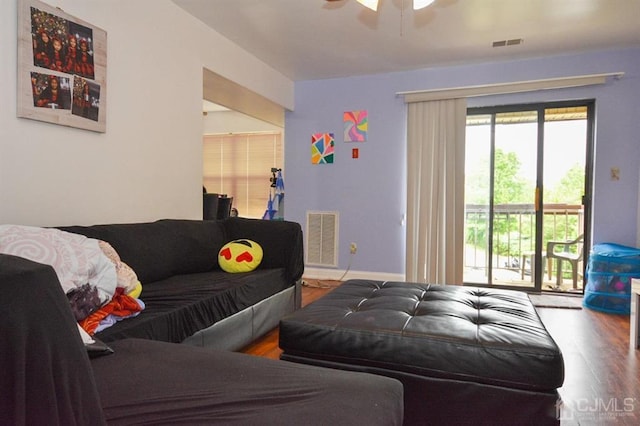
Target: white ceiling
(315, 39)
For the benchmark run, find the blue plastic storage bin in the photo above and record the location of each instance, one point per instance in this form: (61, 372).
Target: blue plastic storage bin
(609, 272)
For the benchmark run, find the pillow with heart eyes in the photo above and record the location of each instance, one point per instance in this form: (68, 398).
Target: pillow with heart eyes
(240, 256)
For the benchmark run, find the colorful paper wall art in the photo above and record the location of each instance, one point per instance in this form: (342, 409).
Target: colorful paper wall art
(356, 124)
(322, 148)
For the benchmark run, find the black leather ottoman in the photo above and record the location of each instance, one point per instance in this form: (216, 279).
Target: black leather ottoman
(464, 354)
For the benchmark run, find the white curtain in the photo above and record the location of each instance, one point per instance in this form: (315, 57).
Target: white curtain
(435, 191)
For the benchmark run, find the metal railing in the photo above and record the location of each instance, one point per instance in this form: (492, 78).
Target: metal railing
(514, 231)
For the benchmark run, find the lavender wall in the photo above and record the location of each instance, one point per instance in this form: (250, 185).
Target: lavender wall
(369, 193)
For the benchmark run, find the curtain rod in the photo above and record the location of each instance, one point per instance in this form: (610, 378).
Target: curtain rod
(503, 88)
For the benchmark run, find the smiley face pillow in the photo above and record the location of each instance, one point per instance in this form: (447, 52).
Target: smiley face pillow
(240, 256)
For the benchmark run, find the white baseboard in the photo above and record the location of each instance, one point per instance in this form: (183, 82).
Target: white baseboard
(336, 274)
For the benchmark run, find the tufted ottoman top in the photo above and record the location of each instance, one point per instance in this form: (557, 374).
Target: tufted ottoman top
(473, 334)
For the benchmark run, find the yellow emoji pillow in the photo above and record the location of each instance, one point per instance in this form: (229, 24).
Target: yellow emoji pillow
(240, 256)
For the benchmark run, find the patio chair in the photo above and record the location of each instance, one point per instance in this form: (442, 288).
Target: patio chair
(566, 254)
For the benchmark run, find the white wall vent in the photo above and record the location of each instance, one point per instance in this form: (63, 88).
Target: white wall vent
(322, 238)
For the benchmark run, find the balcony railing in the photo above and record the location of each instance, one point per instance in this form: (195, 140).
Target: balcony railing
(514, 232)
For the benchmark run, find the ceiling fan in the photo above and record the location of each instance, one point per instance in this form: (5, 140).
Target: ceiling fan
(373, 4)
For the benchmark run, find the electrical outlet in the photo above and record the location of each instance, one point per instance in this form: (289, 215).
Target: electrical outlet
(353, 248)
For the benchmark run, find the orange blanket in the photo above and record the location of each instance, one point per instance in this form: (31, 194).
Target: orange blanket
(121, 305)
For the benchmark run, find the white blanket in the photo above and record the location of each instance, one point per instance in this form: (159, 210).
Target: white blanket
(77, 260)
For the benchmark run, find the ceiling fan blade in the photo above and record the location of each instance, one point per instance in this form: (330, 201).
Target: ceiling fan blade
(371, 4)
(420, 4)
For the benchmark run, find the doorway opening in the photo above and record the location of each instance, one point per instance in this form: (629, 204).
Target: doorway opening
(527, 196)
(243, 140)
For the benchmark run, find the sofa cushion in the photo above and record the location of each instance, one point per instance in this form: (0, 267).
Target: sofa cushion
(198, 243)
(181, 384)
(158, 250)
(181, 305)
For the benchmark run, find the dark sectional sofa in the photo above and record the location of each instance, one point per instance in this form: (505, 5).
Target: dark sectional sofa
(188, 297)
(48, 378)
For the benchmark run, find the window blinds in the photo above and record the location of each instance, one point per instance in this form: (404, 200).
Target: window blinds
(239, 165)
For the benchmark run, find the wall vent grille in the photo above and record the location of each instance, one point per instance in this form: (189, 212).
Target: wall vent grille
(511, 42)
(322, 238)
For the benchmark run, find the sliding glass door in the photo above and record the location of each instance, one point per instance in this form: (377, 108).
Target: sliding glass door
(516, 157)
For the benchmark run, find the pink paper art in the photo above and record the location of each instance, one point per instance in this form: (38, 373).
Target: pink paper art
(356, 124)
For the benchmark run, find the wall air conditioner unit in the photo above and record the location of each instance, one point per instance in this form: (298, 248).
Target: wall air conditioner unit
(322, 238)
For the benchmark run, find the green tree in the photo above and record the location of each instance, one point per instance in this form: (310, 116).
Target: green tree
(570, 188)
(509, 186)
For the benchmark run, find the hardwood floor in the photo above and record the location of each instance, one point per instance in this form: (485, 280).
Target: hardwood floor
(602, 374)
(267, 346)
